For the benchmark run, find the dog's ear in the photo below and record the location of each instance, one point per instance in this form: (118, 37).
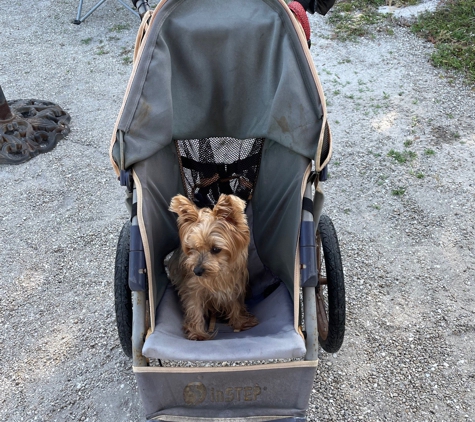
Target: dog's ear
(186, 210)
(230, 208)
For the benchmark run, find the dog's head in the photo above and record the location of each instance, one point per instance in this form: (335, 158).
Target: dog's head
(212, 240)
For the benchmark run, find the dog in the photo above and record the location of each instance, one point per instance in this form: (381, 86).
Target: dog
(209, 269)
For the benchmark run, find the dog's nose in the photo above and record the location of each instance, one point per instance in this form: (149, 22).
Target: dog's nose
(199, 270)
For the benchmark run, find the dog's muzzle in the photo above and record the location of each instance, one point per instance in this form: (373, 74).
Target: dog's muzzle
(198, 270)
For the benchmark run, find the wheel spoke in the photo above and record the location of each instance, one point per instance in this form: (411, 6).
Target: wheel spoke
(322, 319)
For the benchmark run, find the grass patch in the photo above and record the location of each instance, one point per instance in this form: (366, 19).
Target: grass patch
(353, 18)
(382, 180)
(374, 154)
(451, 29)
(399, 191)
(86, 41)
(418, 174)
(119, 27)
(101, 51)
(402, 157)
(429, 152)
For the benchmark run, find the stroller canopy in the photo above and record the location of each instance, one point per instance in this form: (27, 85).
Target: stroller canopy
(209, 68)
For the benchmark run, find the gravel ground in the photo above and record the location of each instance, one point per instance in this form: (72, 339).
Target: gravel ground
(406, 229)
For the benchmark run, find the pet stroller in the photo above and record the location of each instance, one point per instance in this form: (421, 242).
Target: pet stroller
(224, 98)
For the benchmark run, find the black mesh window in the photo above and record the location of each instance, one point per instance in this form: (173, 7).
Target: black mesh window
(212, 166)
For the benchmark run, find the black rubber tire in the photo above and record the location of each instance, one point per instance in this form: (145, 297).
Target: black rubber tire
(122, 292)
(336, 312)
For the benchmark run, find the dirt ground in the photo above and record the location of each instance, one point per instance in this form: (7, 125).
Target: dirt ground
(401, 193)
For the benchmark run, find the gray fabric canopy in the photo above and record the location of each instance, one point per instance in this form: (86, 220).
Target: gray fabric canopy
(213, 68)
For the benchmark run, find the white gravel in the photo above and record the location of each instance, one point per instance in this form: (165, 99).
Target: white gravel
(410, 11)
(409, 259)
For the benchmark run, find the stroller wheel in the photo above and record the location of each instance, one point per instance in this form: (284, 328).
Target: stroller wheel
(330, 293)
(122, 292)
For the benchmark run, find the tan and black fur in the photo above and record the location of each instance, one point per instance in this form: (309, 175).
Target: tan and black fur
(209, 270)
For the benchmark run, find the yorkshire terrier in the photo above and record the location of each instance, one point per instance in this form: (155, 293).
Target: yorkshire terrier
(209, 270)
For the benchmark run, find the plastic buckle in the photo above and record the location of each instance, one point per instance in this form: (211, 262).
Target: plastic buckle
(123, 176)
(125, 179)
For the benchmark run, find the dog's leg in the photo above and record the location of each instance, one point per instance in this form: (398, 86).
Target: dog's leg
(194, 322)
(212, 323)
(239, 318)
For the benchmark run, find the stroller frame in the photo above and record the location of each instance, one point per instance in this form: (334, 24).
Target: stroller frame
(262, 392)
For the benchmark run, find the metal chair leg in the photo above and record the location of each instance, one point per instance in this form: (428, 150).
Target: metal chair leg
(80, 19)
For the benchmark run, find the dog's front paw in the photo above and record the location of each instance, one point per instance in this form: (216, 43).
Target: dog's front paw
(193, 333)
(250, 321)
(244, 322)
(198, 336)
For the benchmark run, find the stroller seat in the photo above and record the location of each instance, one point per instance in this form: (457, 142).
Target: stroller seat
(276, 323)
(269, 301)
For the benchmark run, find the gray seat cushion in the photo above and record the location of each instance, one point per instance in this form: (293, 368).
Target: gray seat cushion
(273, 338)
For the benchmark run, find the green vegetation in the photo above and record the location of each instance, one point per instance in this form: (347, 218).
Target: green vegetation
(101, 51)
(399, 191)
(402, 157)
(418, 174)
(429, 152)
(354, 18)
(86, 41)
(119, 27)
(374, 154)
(382, 180)
(351, 19)
(451, 28)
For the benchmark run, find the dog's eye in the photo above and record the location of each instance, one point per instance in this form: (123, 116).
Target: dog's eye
(215, 250)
